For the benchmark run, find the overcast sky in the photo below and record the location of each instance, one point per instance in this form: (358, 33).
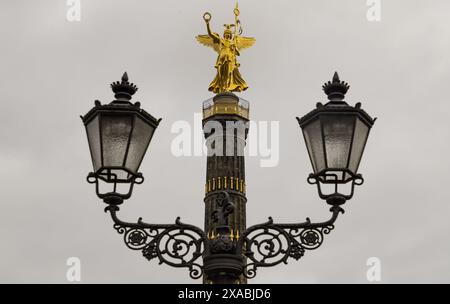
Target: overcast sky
(52, 70)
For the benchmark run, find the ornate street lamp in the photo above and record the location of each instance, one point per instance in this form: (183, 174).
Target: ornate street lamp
(118, 135)
(335, 136)
(120, 132)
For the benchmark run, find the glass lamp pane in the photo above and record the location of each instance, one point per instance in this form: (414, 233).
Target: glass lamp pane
(140, 139)
(313, 138)
(93, 134)
(116, 131)
(338, 132)
(359, 142)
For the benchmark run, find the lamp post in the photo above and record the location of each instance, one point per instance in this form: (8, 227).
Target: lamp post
(225, 251)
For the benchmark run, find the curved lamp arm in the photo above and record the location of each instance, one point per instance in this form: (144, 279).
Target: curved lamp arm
(177, 245)
(269, 244)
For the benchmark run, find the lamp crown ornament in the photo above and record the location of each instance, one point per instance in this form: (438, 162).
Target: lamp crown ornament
(124, 89)
(335, 89)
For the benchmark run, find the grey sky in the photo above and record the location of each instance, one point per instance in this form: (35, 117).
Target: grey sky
(51, 70)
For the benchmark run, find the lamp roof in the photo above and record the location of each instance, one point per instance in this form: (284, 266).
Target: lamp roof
(335, 91)
(121, 105)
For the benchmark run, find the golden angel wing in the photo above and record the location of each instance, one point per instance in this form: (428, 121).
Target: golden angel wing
(208, 41)
(244, 42)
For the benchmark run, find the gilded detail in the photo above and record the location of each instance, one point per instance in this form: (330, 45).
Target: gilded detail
(225, 108)
(224, 183)
(234, 234)
(228, 78)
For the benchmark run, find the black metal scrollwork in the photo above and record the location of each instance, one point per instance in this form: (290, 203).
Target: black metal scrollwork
(265, 245)
(269, 244)
(177, 245)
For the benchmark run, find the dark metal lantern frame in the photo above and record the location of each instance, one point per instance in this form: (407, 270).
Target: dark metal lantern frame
(226, 258)
(322, 128)
(125, 116)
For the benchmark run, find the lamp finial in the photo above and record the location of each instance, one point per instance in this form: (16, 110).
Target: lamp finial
(335, 89)
(123, 90)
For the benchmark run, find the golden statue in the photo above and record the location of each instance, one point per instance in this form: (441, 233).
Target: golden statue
(228, 78)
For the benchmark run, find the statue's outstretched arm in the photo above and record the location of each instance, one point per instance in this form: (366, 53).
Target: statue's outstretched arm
(214, 36)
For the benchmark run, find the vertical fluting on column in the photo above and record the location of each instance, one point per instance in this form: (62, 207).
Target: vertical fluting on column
(225, 126)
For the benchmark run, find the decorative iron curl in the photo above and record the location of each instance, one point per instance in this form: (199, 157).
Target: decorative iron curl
(177, 245)
(269, 244)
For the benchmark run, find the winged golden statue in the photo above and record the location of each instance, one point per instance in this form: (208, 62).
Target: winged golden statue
(228, 78)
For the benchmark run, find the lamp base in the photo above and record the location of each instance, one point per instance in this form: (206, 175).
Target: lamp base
(223, 268)
(113, 200)
(336, 200)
